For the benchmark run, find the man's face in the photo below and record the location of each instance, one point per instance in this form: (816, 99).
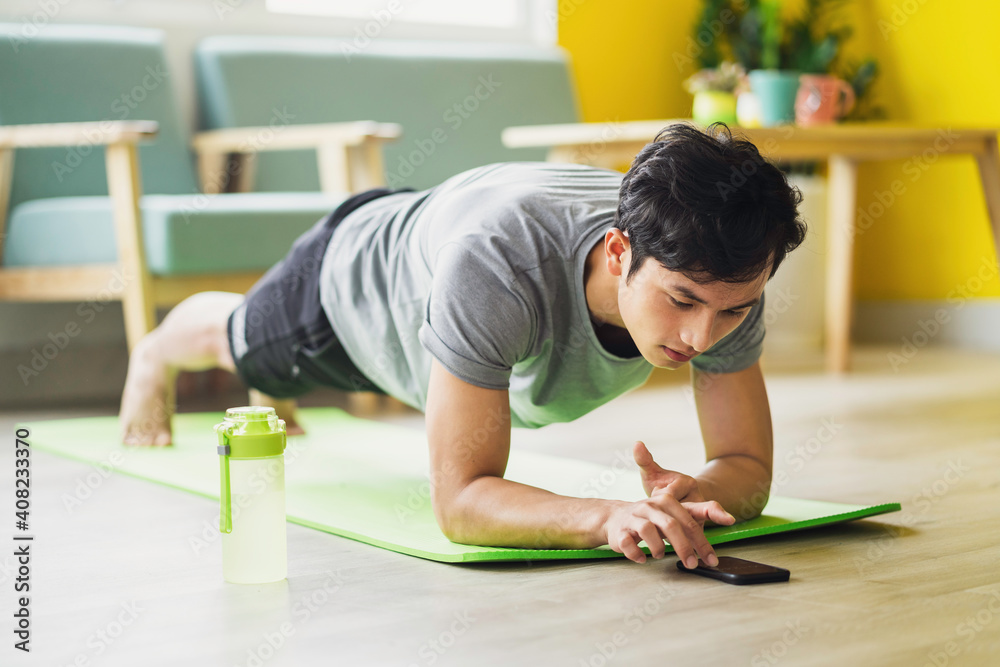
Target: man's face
(671, 318)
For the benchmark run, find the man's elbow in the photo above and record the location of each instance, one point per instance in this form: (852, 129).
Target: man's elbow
(449, 514)
(752, 506)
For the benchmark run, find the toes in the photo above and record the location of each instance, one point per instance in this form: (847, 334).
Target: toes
(132, 440)
(141, 437)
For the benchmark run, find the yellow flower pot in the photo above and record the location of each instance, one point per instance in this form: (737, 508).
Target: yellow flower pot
(714, 106)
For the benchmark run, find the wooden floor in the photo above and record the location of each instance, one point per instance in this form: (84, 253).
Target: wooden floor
(124, 577)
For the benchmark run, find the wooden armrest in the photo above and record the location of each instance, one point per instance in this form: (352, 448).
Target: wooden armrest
(290, 137)
(69, 134)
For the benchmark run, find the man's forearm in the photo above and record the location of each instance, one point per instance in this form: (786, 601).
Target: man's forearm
(741, 484)
(492, 511)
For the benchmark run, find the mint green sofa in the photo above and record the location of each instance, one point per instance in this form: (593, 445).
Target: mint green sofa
(452, 99)
(61, 233)
(62, 237)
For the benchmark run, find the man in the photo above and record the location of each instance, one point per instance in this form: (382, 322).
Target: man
(522, 294)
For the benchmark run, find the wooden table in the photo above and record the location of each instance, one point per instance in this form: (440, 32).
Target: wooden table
(843, 146)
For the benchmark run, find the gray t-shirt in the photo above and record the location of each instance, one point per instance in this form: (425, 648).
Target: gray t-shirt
(485, 273)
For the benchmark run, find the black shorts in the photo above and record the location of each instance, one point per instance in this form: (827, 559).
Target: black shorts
(280, 337)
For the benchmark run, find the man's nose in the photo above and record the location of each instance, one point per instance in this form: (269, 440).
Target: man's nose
(697, 332)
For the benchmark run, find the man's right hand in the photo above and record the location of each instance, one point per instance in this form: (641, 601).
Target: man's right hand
(663, 517)
(468, 432)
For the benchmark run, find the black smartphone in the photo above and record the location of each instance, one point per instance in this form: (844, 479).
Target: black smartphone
(738, 571)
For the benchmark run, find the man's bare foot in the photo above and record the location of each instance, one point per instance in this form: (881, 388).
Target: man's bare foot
(147, 402)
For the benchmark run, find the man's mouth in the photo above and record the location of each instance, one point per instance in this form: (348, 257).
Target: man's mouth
(675, 355)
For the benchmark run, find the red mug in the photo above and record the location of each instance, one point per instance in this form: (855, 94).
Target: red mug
(822, 99)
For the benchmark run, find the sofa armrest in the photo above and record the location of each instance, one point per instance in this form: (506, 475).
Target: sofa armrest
(115, 134)
(349, 155)
(292, 137)
(103, 132)
(121, 156)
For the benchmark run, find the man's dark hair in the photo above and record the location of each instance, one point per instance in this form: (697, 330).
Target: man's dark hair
(708, 205)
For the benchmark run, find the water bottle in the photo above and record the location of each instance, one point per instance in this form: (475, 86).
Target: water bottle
(252, 498)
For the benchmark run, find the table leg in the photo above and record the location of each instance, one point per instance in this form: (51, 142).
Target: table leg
(989, 175)
(843, 186)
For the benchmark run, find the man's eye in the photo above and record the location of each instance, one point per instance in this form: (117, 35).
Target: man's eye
(737, 313)
(680, 304)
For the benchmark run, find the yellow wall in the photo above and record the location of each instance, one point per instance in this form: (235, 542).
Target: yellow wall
(938, 63)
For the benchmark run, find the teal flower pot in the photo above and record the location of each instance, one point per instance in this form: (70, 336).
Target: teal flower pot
(776, 90)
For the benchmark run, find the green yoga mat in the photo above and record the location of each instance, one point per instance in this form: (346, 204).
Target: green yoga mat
(368, 481)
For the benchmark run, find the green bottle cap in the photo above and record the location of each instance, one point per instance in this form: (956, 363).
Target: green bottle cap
(250, 432)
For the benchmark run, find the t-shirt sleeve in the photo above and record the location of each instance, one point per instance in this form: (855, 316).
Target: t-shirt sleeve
(739, 349)
(477, 323)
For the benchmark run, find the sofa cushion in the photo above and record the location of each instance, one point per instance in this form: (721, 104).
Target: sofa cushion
(69, 73)
(453, 99)
(183, 234)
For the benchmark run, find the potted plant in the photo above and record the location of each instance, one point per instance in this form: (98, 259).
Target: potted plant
(714, 90)
(777, 53)
(774, 86)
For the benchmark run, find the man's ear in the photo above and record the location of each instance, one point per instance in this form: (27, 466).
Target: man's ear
(616, 252)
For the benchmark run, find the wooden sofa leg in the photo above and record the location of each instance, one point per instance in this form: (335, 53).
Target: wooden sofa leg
(125, 188)
(394, 405)
(363, 402)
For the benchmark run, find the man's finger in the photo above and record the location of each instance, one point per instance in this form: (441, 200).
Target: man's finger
(695, 533)
(680, 487)
(630, 547)
(643, 457)
(710, 510)
(672, 530)
(681, 528)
